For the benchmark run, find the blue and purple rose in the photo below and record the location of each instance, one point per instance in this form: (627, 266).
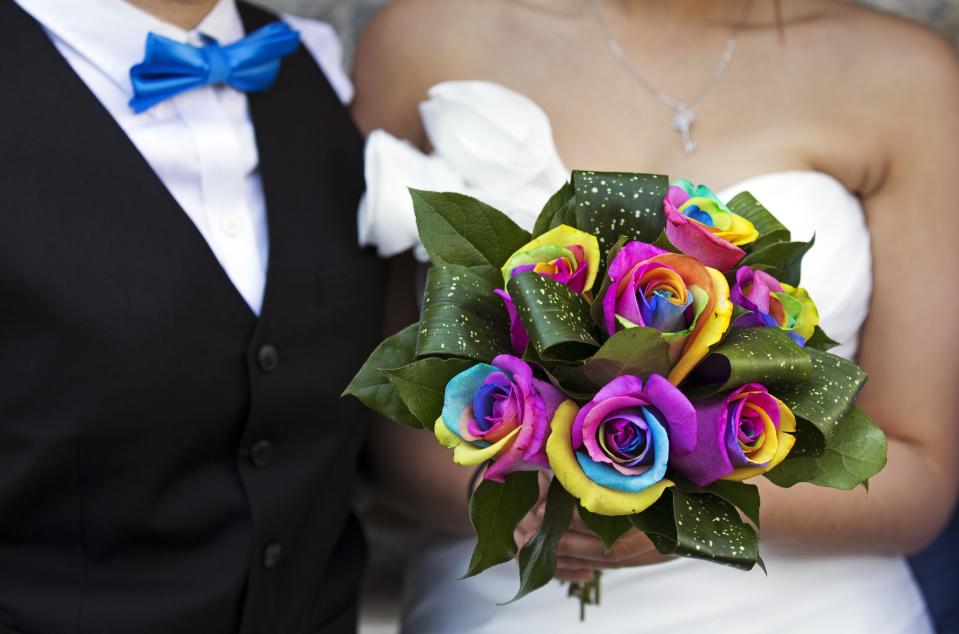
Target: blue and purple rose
(613, 456)
(500, 412)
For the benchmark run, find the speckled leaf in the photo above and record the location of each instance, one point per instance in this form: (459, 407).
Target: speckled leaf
(537, 559)
(556, 208)
(634, 351)
(782, 260)
(607, 528)
(810, 442)
(832, 388)
(855, 451)
(770, 229)
(374, 389)
(821, 341)
(457, 229)
(659, 524)
(557, 320)
(421, 385)
(743, 496)
(461, 316)
(709, 527)
(611, 204)
(752, 355)
(495, 509)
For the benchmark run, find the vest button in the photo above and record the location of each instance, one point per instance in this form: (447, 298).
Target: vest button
(268, 358)
(261, 454)
(272, 555)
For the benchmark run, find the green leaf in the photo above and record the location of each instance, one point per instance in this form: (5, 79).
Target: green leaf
(611, 204)
(374, 389)
(495, 509)
(854, 452)
(810, 442)
(457, 229)
(782, 260)
(743, 496)
(537, 559)
(752, 355)
(659, 524)
(421, 385)
(557, 319)
(556, 208)
(663, 243)
(607, 528)
(700, 525)
(634, 351)
(461, 316)
(746, 205)
(832, 388)
(708, 527)
(821, 341)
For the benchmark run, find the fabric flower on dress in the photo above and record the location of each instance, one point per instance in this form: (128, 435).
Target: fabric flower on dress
(500, 412)
(675, 294)
(488, 141)
(740, 435)
(700, 225)
(613, 457)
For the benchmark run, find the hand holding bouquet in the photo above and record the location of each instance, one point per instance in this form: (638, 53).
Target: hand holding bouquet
(647, 346)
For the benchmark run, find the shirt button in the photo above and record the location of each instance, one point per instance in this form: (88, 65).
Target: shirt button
(272, 555)
(261, 454)
(231, 225)
(268, 358)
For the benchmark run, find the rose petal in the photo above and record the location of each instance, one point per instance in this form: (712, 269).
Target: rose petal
(518, 337)
(696, 240)
(592, 496)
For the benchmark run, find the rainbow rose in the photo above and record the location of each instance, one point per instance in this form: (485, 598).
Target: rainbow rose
(564, 254)
(675, 294)
(613, 456)
(773, 304)
(501, 413)
(698, 224)
(740, 435)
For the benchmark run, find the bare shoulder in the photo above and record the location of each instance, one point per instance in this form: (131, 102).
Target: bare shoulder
(881, 54)
(908, 86)
(884, 85)
(407, 47)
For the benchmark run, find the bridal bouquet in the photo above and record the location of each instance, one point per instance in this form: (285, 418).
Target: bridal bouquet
(647, 347)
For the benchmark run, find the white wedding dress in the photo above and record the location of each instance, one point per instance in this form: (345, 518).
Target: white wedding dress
(497, 145)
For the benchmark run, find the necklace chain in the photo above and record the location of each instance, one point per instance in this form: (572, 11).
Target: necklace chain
(683, 115)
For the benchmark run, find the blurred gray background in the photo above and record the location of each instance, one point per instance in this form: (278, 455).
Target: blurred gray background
(349, 16)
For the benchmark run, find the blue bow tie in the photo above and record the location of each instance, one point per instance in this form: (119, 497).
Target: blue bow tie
(250, 64)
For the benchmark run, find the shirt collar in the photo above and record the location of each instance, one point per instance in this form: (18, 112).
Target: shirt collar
(111, 34)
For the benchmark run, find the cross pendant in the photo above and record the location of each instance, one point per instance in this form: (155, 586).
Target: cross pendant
(682, 123)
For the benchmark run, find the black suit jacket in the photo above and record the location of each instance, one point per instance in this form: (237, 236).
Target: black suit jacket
(169, 462)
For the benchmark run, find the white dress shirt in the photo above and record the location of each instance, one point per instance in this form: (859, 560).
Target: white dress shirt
(200, 143)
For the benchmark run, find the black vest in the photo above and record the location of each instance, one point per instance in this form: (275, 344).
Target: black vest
(169, 462)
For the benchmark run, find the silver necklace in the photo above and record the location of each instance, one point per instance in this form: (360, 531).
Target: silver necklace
(683, 114)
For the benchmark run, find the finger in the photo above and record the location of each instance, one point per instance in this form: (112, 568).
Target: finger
(590, 547)
(571, 575)
(645, 559)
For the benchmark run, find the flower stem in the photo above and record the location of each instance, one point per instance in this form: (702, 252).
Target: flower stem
(587, 593)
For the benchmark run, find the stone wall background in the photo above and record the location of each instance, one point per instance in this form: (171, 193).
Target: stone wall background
(349, 16)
